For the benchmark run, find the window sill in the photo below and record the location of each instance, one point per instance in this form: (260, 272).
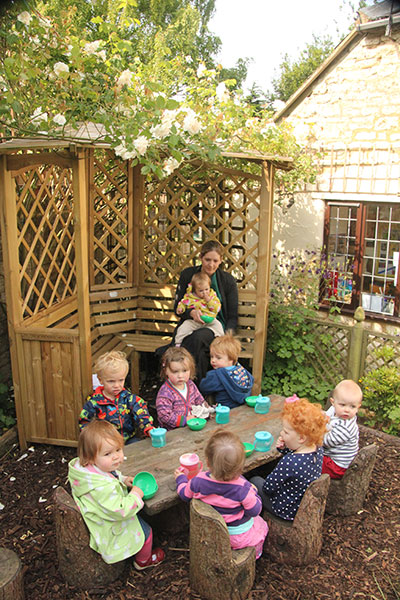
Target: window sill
(369, 315)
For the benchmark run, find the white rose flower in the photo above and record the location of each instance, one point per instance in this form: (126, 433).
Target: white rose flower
(222, 93)
(127, 155)
(38, 115)
(191, 124)
(24, 18)
(141, 144)
(160, 131)
(125, 78)
(102, 54)
(91, 47)
(59, 119)
(201, 70)
(170, 165)
(60, 67)
(120, 149)
(169, 116)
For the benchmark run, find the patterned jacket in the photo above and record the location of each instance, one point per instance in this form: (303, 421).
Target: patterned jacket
(128, 413)
(172, 407)
(190, 301)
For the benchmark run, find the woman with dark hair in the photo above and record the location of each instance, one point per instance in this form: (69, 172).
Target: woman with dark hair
(224, 285)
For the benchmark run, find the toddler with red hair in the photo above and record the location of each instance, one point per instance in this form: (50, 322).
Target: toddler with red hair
(300, 442)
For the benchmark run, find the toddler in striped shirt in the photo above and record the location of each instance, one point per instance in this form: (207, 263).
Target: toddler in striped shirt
(341, 441)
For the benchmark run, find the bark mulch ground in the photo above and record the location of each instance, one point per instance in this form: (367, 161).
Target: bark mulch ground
(360, 558)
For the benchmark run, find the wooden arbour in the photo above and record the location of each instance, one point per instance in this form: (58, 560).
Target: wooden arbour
(92, 253)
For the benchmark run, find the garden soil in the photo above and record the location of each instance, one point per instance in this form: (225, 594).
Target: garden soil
(360, 557)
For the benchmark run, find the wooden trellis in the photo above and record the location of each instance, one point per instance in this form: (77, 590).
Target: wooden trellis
(92, 254)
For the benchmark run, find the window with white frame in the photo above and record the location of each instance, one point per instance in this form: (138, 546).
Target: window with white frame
(362, 244)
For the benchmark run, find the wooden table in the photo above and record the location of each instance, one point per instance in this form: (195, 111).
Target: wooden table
(161, 462)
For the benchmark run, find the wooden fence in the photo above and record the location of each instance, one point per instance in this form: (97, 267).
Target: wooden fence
(351, 351)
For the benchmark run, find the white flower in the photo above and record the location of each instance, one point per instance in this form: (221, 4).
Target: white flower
(170, 165)
(38, 115)
(59, 119)
(222, 93)
(169, 116)
(125, 78)
(120, 149)
(191, 124)
(160, 131)
(127, 155)
(60, 67)
(92, 47)
(24, 18)
(201, 70)
(35, 40)
(102, 54)
(141, 144)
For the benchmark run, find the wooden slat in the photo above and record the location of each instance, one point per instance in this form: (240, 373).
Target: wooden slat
(57, 312)
(115, 306)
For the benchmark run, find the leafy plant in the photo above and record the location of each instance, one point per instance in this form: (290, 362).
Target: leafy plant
(293, 341)
(7, 408)
(381, 389)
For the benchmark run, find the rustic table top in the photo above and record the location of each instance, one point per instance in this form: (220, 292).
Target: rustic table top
(161, 462)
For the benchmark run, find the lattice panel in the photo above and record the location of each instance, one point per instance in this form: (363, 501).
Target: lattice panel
(373, 343)
(109, 219)
(45, 237)
(181, 214)
(330, 362)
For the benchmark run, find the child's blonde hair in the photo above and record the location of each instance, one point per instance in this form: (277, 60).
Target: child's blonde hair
(347, 389)
(307, 419)
(199, 278)
(225, 455)
(227, 344)
(111, 361)
(91, 438)
(177, 354)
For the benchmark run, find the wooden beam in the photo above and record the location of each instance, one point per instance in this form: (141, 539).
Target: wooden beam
(9, 237)
(20, 162)
(263, 271)
(81, 223)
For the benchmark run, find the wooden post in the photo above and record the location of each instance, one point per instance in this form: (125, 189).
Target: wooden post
(81, 224)
(138, 217)
(11, 576)
(356, 342)
(263, 271)
(9, 236)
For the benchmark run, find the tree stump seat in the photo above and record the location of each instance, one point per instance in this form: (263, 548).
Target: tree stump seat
(79, 565)
(346, 496)
(299, 542)
(216, 571)
(11, 576)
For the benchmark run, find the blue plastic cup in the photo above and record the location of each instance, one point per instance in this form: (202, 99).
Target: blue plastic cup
(263, 404)
(158, 437)
(263, 441)
(222, 414)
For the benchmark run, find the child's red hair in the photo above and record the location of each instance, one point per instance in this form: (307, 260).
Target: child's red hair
(307, 419)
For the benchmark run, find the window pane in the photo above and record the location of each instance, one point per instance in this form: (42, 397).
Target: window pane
(338, 281)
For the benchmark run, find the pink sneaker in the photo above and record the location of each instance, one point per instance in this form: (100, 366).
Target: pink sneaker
(155, 559)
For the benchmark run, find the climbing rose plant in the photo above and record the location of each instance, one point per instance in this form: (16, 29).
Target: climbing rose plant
(55, 83)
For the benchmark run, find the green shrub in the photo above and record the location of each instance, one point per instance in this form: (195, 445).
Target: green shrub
(7, 408)
(293, 341)
(381, 389)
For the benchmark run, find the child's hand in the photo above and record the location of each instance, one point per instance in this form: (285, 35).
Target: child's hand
(280, 443)
(195, 314)
(128, 481)
(178, 471)
(136, 490)
(180, 310)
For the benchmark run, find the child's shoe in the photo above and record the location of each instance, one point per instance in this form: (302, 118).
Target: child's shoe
(155, 559)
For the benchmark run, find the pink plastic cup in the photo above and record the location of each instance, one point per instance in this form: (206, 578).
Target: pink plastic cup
(191, 464)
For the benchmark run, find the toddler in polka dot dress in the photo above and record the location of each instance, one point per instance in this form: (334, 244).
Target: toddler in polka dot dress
(300, 443)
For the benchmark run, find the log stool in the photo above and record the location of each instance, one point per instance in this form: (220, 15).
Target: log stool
(80, 566)
(216, 571)
(346, 496)
(299, 542)
(11, 576)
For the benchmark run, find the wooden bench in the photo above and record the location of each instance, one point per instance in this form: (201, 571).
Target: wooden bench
(346, 496)
(216, 571)
(142, 319)
(79, 565)
(299, 542)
